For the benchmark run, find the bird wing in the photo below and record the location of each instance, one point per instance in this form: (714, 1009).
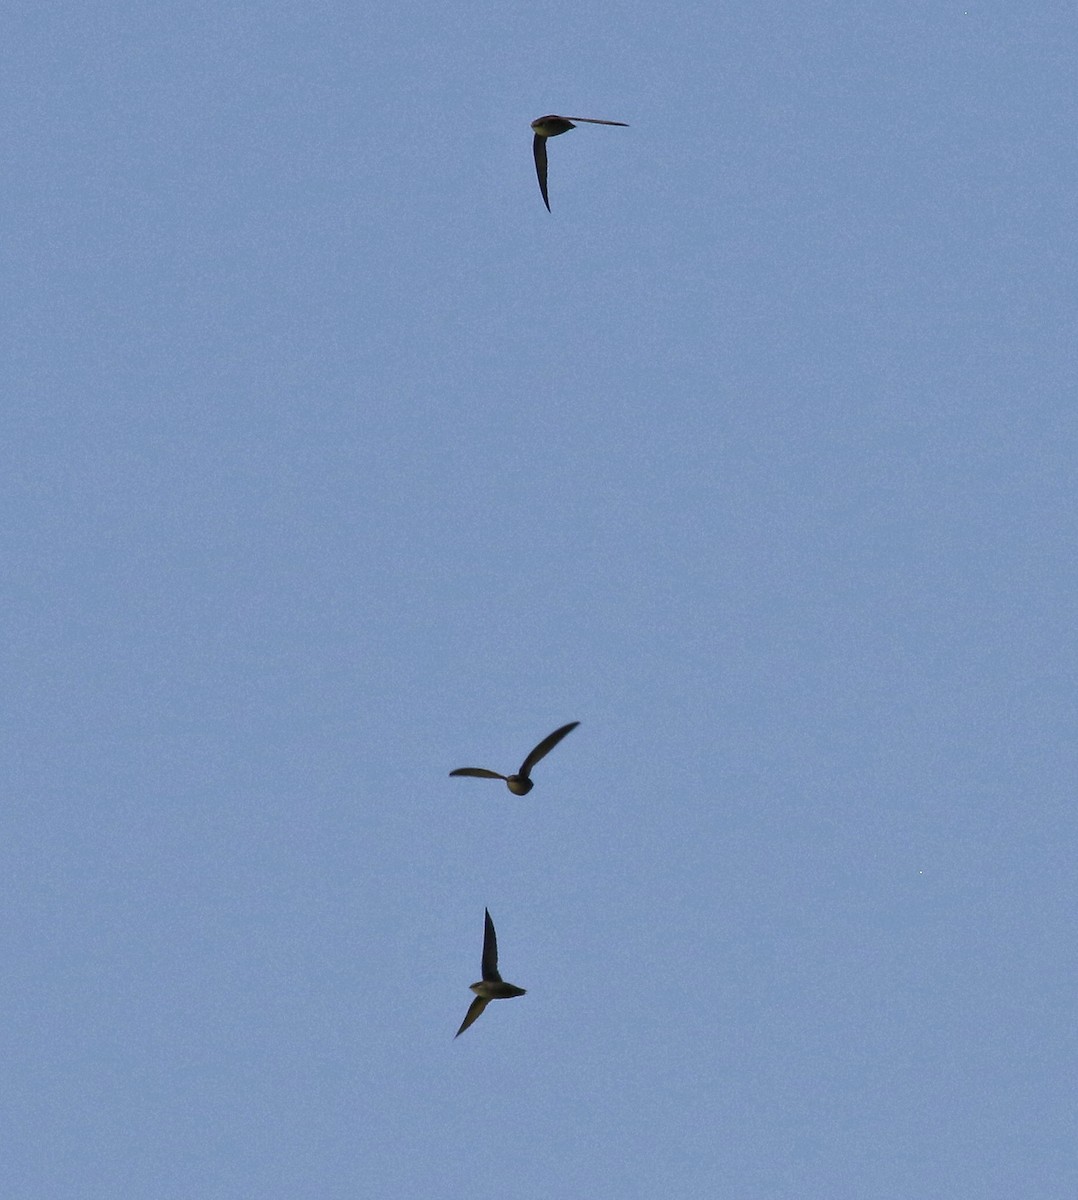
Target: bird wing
(490, 952)
(545, 747)
(475, 1010)
(539, 150)
(477, 773)
(593, 121)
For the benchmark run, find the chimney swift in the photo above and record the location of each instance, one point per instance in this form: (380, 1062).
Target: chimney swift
(551, 126)
(520, 784)
(491, 986)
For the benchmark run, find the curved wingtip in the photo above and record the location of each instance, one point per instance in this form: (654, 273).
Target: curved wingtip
(545, 746)
(595, 121)
(475, 1011)
(539, 152)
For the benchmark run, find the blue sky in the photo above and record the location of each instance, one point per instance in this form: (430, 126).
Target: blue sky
(332, 461)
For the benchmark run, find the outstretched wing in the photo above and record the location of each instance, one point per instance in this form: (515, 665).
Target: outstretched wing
(593, 121)
(473, 1014)
(539, 150)
(477, 773)
(490, 952)
(545, 747)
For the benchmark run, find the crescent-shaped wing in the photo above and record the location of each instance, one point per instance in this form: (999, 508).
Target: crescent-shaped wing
(475, 1011)
(545, 747)
(477, 773)
(539, 150)
(490, 952)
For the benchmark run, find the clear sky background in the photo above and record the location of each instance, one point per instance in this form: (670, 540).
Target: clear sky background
(331, 461)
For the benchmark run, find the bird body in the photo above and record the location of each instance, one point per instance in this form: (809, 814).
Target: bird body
(551, 126)
(489, 989)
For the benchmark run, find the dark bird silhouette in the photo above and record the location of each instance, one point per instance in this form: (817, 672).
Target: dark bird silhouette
(520, 784)
(551, 126)
(491, 986)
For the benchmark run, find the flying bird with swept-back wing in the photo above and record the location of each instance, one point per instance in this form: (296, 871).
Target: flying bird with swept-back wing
(548, 127)
(491, 986)
(520, 784)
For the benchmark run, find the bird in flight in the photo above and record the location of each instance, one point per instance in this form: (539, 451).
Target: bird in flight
(551, 126)
(520, 784)
(491, 986)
